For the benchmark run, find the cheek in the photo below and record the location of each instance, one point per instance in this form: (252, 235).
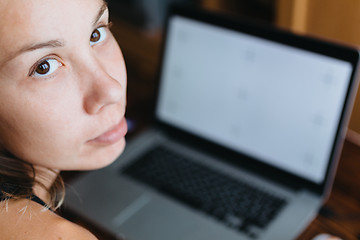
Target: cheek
(42, 131)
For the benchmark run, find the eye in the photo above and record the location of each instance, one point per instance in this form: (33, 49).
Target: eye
(98, 35)
(46, 67)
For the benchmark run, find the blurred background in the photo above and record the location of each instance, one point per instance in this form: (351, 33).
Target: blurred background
(139, 24)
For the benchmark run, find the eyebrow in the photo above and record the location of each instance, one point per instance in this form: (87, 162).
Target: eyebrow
(48, 44)
(57, 42)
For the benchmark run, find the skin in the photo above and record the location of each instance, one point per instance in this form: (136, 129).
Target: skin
(68, 116)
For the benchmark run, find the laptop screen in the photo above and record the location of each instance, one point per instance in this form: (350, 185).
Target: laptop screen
(277, 103)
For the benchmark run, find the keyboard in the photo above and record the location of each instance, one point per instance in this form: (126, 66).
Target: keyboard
(235, 203)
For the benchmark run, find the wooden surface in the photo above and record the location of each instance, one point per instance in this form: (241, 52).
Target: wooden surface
(340, 215)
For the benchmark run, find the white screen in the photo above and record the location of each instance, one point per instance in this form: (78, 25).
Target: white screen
(273, 102)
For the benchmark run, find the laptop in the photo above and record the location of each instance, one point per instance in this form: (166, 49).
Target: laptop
(248, 128)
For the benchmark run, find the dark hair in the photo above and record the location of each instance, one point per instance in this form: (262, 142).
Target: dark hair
(18, 178)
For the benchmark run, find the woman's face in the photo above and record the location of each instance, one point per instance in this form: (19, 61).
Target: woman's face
(62, 84)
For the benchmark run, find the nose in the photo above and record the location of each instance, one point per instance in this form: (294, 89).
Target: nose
(102, 89)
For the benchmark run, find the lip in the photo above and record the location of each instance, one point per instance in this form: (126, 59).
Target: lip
(113, 135)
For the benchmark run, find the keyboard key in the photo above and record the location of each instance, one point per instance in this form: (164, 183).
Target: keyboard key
(237, 204)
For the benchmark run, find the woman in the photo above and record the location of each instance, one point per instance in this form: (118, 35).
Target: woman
(62, 106)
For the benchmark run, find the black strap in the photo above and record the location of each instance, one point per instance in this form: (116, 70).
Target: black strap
(38, 200)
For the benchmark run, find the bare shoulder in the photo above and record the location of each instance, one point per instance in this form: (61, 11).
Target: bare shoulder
(25, 219)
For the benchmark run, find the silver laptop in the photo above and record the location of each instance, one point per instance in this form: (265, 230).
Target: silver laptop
(249, 123)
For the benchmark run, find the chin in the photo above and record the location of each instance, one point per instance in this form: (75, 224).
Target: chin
(104, 156)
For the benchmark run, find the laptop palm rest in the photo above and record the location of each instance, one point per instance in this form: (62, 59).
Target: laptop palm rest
(138, 206)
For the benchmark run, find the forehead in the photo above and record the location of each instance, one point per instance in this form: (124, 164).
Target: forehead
(27, 21)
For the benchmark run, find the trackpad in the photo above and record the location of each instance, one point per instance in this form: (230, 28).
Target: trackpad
(153, 219)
